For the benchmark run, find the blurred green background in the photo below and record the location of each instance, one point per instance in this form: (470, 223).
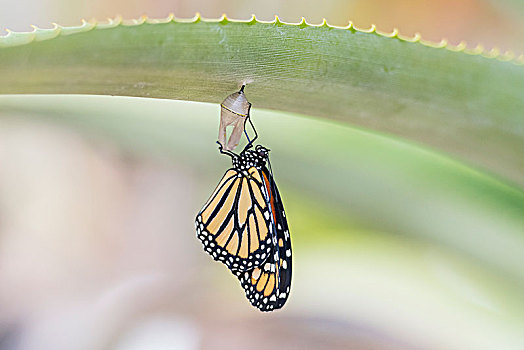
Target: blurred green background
(396, 246)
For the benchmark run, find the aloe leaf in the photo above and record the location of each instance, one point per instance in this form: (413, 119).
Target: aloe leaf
(465, 102)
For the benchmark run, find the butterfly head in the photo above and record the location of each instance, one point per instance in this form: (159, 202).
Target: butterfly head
(257, 158)
(262, 152)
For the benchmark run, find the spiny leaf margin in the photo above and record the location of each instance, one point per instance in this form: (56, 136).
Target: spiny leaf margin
(38, 34)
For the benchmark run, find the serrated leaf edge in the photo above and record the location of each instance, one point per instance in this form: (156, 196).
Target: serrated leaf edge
(39, 34)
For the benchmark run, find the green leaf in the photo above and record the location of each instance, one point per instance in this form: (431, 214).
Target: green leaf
(465, 103)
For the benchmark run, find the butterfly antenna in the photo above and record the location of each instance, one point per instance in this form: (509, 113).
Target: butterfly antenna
(252, 127)
(247, 136)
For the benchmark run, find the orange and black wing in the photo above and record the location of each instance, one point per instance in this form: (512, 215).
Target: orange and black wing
(267, 287)
(234, 225)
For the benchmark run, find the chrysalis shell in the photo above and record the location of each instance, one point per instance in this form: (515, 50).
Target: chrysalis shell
(234, 111)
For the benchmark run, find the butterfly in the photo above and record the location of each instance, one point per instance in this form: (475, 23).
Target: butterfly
(243, 225)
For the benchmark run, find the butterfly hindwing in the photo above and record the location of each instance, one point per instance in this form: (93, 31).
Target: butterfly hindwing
(235, 225)
(284, 249)
(267, 286)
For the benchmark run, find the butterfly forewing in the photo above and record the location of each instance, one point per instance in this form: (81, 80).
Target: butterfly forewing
(235, 225)
(243, 225)
(267, 287)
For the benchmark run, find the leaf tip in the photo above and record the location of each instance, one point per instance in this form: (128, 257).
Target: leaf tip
(135, 21)
(252, 20)
(461, 46)
(170, 17)
(507, 56)
(302, 24)
(111, 23)
(350, 26)
(196, 18)
(477, 50)
(223, 19)
(167, 19)
(370, 30)
(13, 38)
(393, 34)
(493, 53)
(442, 44)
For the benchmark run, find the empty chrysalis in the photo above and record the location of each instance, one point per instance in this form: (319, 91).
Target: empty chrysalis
(234, 112)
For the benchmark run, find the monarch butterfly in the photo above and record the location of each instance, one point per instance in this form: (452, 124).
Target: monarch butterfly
(243, 225)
